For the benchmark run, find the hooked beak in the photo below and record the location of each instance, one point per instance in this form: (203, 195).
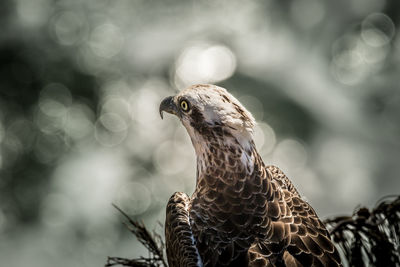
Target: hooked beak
(168, 105)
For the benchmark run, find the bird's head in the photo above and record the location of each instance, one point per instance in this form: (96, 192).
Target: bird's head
(211, 114)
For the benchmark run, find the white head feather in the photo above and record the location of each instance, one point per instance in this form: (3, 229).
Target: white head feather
(218, 106)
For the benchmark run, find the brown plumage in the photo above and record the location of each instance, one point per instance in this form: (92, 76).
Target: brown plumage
(242, 212)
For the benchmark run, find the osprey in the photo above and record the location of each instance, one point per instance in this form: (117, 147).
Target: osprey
(242, 212)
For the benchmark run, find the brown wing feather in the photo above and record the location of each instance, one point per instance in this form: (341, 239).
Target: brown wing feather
(180, 244)
(298, 236)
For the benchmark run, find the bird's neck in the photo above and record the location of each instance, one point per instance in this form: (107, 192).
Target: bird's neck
(229, 173)
(225, 155)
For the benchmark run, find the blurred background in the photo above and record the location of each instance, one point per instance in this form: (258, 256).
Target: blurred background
(80, 86)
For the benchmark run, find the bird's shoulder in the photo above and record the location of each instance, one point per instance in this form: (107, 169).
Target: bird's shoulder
(281, 179)
(299, 210)
(307, 240)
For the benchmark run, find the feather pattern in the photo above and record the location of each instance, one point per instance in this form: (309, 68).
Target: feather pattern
(242, 212)
(181, 245)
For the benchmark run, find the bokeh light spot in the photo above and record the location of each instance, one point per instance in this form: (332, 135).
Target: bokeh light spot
(69, 28)
(204, 63)
(354, 59)
(377, 30)
(290, 154)
(106, 40)
(117, 105)
(54, 99)
(266, 143)
(134, 198)
(113, 122)
(107, 137)
(79, 121)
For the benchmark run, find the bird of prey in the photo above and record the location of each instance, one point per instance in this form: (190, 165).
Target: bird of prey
(242, 212)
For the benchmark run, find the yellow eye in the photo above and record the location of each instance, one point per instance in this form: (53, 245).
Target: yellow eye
(184, 105)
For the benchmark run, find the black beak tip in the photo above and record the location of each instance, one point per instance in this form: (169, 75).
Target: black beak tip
(167, 105)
